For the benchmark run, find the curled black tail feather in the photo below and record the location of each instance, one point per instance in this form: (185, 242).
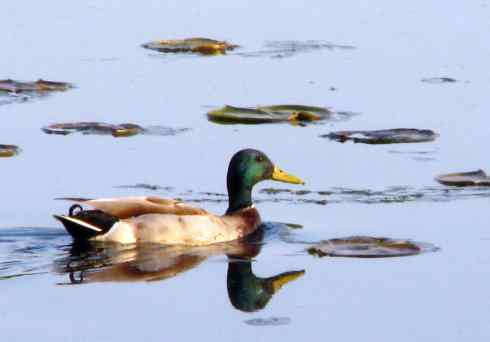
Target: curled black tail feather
(74, 207)
(86, 224)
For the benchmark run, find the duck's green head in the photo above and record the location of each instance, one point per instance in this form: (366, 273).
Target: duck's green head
(247, 168)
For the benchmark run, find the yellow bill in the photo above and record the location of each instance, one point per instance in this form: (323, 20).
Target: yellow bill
(285, 177)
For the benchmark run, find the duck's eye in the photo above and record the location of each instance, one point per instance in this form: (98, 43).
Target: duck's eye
(259, 159)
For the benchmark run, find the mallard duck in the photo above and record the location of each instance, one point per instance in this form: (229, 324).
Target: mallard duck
(167, 221)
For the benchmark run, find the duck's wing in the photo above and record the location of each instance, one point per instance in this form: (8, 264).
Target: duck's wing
(126, 207)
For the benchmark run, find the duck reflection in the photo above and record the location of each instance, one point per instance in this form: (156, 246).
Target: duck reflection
(249, 293)
(90, 263)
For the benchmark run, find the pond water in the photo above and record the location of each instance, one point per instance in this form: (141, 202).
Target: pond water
(371, 63)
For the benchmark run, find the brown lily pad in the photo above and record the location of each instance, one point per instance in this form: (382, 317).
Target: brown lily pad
(203, 46)
(472, 178)
(100, 128)
(9, 150)
(12, 86)
(268, 114)
(369, 247)
(122, 130)
(384, 136)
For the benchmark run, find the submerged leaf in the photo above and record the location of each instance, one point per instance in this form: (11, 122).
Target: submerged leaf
(369, 247)
(203, 46)
(12, 86)
(289, 48)
(100, 128)
(384, 136)
(437, 80)
(268, 114)
(272, 321)
(472, 178)
(9, 150)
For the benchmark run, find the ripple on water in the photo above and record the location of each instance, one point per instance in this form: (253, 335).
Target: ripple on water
(29, 251)
(334, 195)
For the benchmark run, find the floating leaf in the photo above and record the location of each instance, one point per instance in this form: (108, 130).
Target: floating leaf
(12, 86)
(203, 46)
(9, 150)
(93, 128)
(369, 247)
(384, 136)
(100, 128)
(294, 225)
(473, 178)
(268, 114)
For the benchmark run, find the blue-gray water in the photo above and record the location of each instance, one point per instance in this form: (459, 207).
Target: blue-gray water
(95, 45)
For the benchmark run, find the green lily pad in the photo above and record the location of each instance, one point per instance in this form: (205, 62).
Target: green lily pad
(100, 128)
(384, 136)
(268, 114)
(203, 46)
(9, 150)
(12, 86)
(472, 178)
(369, 247)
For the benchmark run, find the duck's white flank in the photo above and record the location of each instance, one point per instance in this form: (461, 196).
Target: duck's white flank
(196, 230)
(121, 232)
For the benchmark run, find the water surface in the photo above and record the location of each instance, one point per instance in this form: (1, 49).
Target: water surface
(96, 46)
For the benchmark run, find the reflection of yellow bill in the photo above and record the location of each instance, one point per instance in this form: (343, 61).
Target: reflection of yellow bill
(284, 278)
(285, 177)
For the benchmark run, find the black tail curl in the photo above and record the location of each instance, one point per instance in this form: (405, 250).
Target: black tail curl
(71, 211)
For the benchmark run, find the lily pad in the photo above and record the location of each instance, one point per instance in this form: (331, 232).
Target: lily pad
(9, 150)
(472, 178)
(203, 46)
(369, 247)
(100, 128)
(384, 136)
(268, 114)
(12, 86)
